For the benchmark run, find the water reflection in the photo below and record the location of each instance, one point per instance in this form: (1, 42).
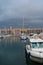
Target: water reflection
(24, 41)
(12, 52)
(10, 39)
(29, 62)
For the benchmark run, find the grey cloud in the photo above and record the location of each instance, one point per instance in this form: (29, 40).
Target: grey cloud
(20, 8)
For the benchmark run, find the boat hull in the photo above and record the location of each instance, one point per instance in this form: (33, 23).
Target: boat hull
(36, 59)
(33, 55)
(23, 38)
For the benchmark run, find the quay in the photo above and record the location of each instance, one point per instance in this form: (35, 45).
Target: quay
(18, 31)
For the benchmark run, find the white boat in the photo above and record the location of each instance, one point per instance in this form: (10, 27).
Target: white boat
(34, 51)
(4, 36)
(1, 36)
(23, 36)
(7, 35)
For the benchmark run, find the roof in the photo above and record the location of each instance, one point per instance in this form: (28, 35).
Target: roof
(36, 40)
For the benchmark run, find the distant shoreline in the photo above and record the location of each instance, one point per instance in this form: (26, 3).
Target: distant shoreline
(20, 30)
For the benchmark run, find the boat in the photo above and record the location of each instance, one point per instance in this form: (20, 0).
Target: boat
(23, 35)
(1, 36)
(5, 35)
(34, 50)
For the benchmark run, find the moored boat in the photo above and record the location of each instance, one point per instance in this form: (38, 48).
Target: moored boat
(23, 36)
(1, 36)
(34, 51)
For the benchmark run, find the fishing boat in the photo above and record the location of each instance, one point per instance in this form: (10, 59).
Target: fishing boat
(34, 51)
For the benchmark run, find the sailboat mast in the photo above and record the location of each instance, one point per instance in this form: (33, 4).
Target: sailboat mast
(23, 22)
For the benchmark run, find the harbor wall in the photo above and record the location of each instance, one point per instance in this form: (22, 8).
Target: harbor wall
(18, 31)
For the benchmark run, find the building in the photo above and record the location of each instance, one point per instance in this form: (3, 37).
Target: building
(18, 31)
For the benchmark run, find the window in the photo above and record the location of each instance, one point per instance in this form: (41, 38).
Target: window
(37, 44)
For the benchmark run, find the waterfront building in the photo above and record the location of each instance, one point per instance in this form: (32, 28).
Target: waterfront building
(18, 31)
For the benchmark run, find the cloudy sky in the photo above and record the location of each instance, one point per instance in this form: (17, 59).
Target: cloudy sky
(21, 8)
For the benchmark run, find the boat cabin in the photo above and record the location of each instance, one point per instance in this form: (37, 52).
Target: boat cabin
(36, 43)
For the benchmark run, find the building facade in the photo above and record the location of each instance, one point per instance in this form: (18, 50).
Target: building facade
(20, 30)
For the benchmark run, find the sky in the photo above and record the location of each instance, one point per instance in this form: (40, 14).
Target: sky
(21, 8)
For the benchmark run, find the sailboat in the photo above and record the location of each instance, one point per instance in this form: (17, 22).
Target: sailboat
(23, 35)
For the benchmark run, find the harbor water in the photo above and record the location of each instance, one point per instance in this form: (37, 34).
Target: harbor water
(12, 52)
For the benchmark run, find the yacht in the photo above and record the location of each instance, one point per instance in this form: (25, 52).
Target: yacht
(34, 50)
